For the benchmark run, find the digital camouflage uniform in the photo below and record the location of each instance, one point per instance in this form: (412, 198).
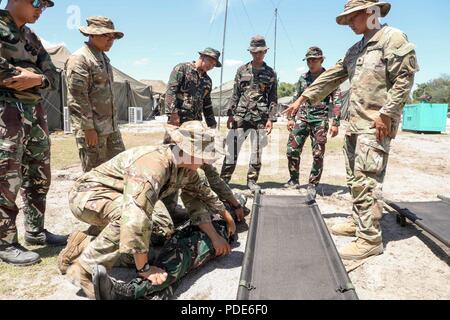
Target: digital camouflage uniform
(24, 138)
(189, 94)
(253, 104)
(312, 121)
(121, 196)
(381, 73)
(91, 103)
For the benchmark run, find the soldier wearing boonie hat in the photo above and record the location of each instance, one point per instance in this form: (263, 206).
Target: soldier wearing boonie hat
(381, 69)
(91, 102)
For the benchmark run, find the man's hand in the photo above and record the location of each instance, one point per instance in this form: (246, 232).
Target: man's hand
(231, 225)
(269, 127)
(293, 108)
(156, 276)
(383, 126)
(24, 81)
(334, 131)
(175, 119)
(91, 137)
(291, 125)
(221, 246)
(230, 123)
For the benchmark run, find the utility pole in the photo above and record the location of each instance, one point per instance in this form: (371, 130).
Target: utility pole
(223, 59)
(275, 47)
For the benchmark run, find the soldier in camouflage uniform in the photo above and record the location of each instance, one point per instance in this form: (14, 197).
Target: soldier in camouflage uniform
(121, 194)
(381, 69)
(312, 121)
(251, 111)
(25, 68)
(188, 95)
(90, 99)
(187, 250)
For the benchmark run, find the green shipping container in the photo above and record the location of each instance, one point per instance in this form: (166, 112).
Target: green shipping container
(425, 117)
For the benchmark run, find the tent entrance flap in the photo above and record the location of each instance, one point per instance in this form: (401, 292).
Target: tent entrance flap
(433, 217)
(290, 254)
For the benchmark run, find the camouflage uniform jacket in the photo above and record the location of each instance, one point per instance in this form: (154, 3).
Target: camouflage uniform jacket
(189, 94)
(216, 183)
(145, 175)
(22, 48)
(317, 113)
(255, 97)
(381, 73)
(90, 99)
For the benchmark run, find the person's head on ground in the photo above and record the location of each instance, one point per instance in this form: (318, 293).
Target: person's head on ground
(208, 60)
(258, 49)
(315, 59)
(101, 33)
(362, 16)
(27, 11)
(195, 145)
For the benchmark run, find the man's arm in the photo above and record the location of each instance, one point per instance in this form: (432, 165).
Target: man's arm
(236, 96)
(336, 105)
(208, 111)
(78, 84)
(44, 62)
(273, 100)
(173, 88)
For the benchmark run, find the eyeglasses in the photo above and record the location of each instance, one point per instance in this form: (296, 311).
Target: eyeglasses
(39, 4)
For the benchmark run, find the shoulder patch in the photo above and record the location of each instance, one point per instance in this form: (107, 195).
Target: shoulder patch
(405, 49)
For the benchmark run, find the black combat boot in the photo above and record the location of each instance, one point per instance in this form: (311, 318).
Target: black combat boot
(45, 238)
(107, 288)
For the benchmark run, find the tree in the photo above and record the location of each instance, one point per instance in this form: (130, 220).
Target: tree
(285, 90)
(438, 89)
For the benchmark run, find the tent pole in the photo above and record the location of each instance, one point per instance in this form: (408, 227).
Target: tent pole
(223, 56)
(275, 47)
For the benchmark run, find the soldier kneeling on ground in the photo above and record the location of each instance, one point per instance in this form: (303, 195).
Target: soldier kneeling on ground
(121, 197)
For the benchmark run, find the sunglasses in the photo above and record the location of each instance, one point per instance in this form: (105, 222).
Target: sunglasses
(39, 4)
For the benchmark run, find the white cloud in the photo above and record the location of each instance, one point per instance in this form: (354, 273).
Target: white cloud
(48, 44)
(233, 63)
(141, 62)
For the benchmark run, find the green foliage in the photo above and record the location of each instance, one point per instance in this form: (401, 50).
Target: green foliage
(285, 90)
(438, 89)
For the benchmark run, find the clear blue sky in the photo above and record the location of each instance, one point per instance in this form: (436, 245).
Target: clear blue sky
(161, 33)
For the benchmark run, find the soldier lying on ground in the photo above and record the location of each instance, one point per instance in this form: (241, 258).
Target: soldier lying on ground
(189, 249)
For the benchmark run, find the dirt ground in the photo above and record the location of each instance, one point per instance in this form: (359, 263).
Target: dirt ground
(414, 266)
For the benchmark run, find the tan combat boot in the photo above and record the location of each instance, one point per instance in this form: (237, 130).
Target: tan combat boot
(345, 229)
(79, 277)
(361, 249)
(77, 242)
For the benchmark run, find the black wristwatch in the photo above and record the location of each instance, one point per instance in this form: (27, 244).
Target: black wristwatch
(145, 268)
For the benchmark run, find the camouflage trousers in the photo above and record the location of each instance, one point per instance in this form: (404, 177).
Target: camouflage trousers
(234, 142)
(102, 208)
(187, 250)
(318, 132)
(107, 148)
(366, 163)
(25, 165)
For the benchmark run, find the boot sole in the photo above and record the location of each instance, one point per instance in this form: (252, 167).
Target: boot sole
(22, 264)
(342, 234)
(374, 252)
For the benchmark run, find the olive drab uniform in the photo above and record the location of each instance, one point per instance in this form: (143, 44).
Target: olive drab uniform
(252, 105)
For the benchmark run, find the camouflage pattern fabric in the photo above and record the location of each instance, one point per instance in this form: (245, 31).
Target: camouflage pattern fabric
(318, 132)
(189, 249)
(22, 48)
(90, 92)
(366, 163)
(312, 121)
(381, 73)
(122, 194)
(255, 96)
(107, 148)
(189, 94)
(235, 140)
(24, 163)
